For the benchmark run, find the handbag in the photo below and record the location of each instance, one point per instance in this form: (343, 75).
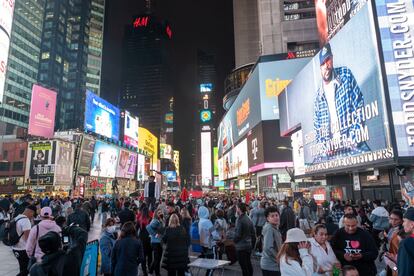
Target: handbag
(32, 259)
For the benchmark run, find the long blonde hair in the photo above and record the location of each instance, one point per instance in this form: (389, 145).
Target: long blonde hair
(174, 221)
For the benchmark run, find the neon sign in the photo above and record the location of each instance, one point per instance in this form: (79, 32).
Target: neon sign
(141, 22)
(168, 31)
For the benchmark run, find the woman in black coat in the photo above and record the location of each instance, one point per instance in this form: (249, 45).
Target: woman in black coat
(176, 251)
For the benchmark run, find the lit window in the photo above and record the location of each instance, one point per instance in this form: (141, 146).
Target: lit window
(45, 55)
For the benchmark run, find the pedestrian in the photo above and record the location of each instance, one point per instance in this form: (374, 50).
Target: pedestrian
(186, 220)
(245, 239)
(176, 243)
(379, 218)
(258, 218)
(143, 219)
(152, 191)
(287, 219)
(23, 226)
(46, 225)
(79, 217)
(156, 229)
(106, 244)
(405, 259)
(126, 214)
(104, 210)
(355, 246)
(322, 251)
(127, 253)
(272, 242)
(294, 257)
(94, 207)
(313, 209)
(205, 229)
(348, 209)
(349, 270)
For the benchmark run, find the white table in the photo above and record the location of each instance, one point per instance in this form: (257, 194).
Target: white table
(208, 264)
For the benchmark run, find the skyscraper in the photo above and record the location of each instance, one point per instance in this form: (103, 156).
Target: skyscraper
(23, 63)
(146, 83)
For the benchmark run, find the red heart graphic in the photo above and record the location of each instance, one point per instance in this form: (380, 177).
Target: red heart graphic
(355, 244)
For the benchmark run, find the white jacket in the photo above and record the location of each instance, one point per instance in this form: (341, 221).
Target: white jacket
(157, 190)
(323, 259)
(293, 268)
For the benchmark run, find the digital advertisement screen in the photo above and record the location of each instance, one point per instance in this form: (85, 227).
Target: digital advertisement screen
(131, 125)
(176, 159)
(42, 112)
(127, 164)
(148, 143)
(215, 161)
(141, 172)
(170, 175)
(169, 118)
(40, 163)
(341, 110)
(6, 20)
(101, 117)
(235, 162)
(166, 151)
(64, 163)
(399, 66)
(105, 160)
(206, 158)
(206, 87)
(252, 106)
(86, 155)
(205, 116)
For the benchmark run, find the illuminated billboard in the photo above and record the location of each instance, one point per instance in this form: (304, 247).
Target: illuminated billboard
(166, 151)
(215, 161)
(101, 117)
(235, 162)
(399, 62)
(341, 110)
(65, 156)
(40, 162)
(176, 160)
(169, 118)
(206, 158)
(86, 155)
(131, 124)
(105, 160)
(147, 142)
(170, 175)
(206, 87)
(252, 106)
(127, 164)
(42, 112)
(6, 20)
(205, 116)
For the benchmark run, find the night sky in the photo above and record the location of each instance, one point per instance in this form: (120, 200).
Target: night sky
(196, 24)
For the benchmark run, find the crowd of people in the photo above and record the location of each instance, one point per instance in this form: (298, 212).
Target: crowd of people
(48, 236)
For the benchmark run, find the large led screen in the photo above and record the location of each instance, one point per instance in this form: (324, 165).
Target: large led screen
(42, 112)
(127, 164)
(6, 20)
(148, 143)
(341, 110)
(396, 31)
(101, 117)
(166, 151)
(40, 163)
(131, 125)
(235, 162)
(206, 158)
(86, 155)
(65, 157)
(105, 160)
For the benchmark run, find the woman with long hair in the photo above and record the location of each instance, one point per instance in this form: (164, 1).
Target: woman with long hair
(156, 230)
(322, 252)
(186, 220)
(176, 250)
(143, 219)
(127, 252)
(294, 257)
(106, 244)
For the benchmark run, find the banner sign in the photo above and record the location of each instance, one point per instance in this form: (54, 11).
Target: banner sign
(127, 164)
(86, 156)
(40, 163)
(42, 112)
(105, 160)
(64, 163)
(89, 265)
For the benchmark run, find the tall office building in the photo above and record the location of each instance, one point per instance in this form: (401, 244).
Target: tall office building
(23, 63)
(146, 83)
(93, 77)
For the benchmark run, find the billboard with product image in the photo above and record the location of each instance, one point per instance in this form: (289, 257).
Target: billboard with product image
(149, 143)
(86, 155)
(127, 164)
(105, 160)
(101, 117)
(6, 20)
(64, 163)
(235, 162)
(170, 175)
(42, 112)
(166, 151)
(131, 124)
(40, 162)
(341, 110)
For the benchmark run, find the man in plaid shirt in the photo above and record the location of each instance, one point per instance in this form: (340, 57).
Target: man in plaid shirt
(338, 99)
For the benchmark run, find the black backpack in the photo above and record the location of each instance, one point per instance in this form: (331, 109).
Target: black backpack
(11, 237)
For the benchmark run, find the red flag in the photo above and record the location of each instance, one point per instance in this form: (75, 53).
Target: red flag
(184, 195)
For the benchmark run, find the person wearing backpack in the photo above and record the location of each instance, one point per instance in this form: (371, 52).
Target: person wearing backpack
(16, 235)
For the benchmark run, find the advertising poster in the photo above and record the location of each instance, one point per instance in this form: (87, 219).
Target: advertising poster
(86, 156)
(6, 20)
(40, 163)
(176, 160)
(105, 160)
(342, 110)
(235, 162)
(127, 164)
(332, 15)
(396, 30)
(206, 158)
(252, 106)
(64, 163)
(206, 87)
(407, 186)
(215, 161)
(42, 112)
(101, 117)
(297, 153)
(131, 125)
(141, 172)
(148, 143)
(90, 259)
(170, 175)
(166, 151)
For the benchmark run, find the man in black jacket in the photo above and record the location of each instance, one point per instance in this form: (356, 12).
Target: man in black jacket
(355, 246)
(244, 239)
(125, 214)
(80, 218)
(287, 219)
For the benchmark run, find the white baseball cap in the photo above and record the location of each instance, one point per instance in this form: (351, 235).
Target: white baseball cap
(295, 235)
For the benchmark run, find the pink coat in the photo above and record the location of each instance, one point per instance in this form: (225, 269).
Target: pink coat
(45, 226)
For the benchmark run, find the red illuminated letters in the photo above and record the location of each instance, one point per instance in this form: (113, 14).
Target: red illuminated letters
(141, 22)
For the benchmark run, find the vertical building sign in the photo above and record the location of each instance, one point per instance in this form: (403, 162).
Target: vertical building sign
(206, 158)
(42, 112)
(6, 19)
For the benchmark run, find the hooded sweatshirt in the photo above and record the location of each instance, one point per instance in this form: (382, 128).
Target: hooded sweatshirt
(205, 227)
(44, 227)
(379, 218)
(272, 242)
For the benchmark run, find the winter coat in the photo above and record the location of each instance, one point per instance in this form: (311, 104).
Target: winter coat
(257, 216)
(106, 243)
(205, 228)
(272, 241)
(126, 255)
(379, 218)
(155, 227)
(245, 235)
(126, 215)
(176, 249)
(405, 259)
(44, 227)
(287, 220)
(81, 218)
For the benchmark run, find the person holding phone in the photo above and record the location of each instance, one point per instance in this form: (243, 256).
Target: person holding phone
(294, 257)
(355, 246)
